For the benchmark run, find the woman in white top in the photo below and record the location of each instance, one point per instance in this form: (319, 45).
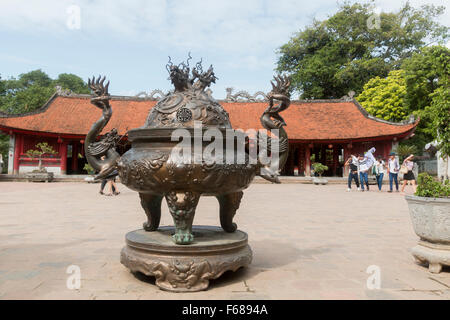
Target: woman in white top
(409, 176)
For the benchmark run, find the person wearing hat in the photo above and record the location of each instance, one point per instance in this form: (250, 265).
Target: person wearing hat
(393, 167)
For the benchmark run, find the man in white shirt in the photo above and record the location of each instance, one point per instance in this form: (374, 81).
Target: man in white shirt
(366, 161)
(379, 171)
(393, 167)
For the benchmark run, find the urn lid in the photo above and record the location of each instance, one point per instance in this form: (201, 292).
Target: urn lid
(190, 101)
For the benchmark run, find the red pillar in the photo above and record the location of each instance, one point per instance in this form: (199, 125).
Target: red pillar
(17, 151)
(300, 163)
(74, 157)
(307, 161)
(63, 155)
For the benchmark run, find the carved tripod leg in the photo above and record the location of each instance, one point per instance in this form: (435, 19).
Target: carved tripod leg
(182, 206)
(152, 206)
(229, 203)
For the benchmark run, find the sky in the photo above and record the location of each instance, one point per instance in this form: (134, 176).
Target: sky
(129, 41)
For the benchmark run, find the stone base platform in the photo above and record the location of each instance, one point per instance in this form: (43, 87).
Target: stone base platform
(436, 255)
(39, 176)
(185, 268)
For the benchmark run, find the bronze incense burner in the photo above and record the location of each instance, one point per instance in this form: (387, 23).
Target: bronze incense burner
(159, 166)
(150, 168)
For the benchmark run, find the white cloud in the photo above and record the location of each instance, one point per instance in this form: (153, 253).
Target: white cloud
(234, 27)
(231, 26)
(238, 34)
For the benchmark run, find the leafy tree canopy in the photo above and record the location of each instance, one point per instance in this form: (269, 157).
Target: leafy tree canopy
(440, 115)
(425, 71)
(384, 97)
(2, 87)
(31, 90)
(41, 149)
(332, 57)
(71, 82)
(427, 75)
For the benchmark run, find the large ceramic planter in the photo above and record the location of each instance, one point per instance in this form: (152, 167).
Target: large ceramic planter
(431, 221)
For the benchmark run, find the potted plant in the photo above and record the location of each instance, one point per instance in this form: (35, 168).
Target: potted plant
(319, 169)
(40, 174)
(90, 171)
(429, 208)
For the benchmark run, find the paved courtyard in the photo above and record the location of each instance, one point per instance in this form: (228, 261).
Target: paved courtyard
(309, 242)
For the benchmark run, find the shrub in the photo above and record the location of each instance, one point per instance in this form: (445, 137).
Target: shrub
(87, 167)
(42, 148)
(428, 187)
(404, 151)
(319, 168)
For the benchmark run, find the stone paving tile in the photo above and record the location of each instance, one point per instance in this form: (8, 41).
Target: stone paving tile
(308, 242)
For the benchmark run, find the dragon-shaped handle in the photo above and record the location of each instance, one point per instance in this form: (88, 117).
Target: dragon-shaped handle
(102, 154)
(270, 120)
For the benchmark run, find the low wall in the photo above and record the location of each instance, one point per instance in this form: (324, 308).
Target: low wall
(429, 166)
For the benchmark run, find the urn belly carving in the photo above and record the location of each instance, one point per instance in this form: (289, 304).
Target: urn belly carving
(187, 148)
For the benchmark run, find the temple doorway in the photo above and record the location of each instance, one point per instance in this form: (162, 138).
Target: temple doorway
(331, 155)
(302, 156)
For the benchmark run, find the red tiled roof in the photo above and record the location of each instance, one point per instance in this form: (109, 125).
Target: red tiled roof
(309, 121)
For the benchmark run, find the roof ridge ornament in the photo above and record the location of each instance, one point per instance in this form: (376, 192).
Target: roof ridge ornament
(350, 96)
(183, 79)
(156, 94)
(244, 96)
(64, 92)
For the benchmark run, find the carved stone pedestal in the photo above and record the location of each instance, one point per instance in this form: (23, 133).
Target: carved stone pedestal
(436, 255)
(185, 268)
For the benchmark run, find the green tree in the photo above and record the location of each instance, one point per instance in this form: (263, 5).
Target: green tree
(71, 82)
(29, 79)
(440, 115)
(425, 72)
(2, 87)
(42, 148)
(319, 168)
(27, 93)
(384, 97)
(329, 58)
(31, 90)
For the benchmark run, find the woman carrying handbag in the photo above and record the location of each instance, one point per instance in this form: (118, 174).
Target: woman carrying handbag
(408, 174)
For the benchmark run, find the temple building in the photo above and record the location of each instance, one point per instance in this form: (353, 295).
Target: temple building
(325, 131)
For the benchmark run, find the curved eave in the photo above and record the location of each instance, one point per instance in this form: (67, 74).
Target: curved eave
(399, 136)
(9, 130)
